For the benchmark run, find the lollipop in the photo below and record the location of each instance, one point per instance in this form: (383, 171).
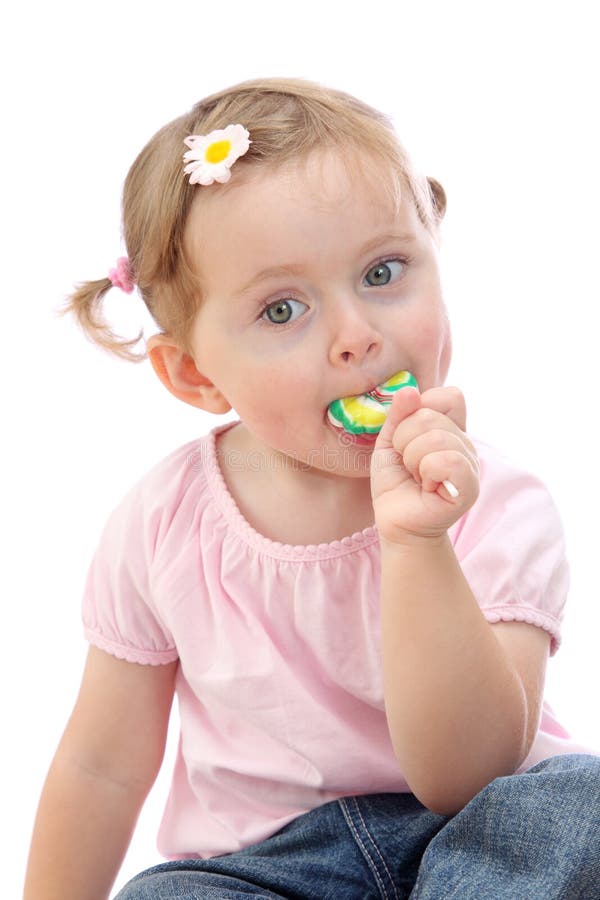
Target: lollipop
(366, 413)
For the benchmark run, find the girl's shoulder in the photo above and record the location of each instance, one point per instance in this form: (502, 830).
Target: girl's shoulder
(511, 545)
(190, 466)
(505, 480)
(170, 499)
(147, 551)
(509, 492)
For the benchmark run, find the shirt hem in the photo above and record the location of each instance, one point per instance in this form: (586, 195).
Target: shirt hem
(131, 654)
(529, 615)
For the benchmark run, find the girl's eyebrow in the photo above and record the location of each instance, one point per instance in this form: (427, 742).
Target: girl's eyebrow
(405, 237)
(272, 272)
(297, 268)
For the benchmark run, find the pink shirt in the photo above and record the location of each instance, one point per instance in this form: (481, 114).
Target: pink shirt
(279, 681)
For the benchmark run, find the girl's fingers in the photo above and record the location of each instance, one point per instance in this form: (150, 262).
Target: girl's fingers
(422, 422)
(436, 441)
(404, 403)
(449, 401)
(422, 425)
(454, 471)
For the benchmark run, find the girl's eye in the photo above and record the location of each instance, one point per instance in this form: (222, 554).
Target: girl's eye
(384, 272)
(282, 311)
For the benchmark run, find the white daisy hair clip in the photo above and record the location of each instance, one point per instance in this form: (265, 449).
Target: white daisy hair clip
(211, 156)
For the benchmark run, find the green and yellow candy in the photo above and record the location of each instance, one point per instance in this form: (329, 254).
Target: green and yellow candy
(366, 413)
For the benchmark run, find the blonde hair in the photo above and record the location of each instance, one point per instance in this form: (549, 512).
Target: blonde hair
(287, 119)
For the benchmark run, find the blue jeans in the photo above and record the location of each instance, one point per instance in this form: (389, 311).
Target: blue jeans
(534, 836)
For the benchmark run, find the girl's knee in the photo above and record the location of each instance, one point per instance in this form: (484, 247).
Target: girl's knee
(560, 787)
(155, 882)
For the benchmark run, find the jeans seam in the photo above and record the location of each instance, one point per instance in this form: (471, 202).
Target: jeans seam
(364, 849)
(376, 848)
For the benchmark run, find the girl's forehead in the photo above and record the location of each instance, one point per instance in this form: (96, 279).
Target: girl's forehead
(336, 176)
(323, 207)
(321, 179)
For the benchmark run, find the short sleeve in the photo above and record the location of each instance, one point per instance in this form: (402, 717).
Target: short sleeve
(118, 611)
(511, 548)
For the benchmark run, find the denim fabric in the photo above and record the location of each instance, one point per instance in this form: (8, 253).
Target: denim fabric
(534, 836)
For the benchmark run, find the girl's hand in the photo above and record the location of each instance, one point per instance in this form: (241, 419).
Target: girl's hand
(421, 445)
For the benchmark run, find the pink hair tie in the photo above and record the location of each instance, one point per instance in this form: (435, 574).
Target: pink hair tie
(121, 276)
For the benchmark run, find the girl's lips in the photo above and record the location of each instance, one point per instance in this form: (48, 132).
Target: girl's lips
(346, 438)
(365, 440)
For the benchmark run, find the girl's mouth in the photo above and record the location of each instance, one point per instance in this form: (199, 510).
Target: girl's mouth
(363, 440)
(347, 439)
(359, 419)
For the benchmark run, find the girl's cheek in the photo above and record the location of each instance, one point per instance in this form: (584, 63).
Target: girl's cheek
(426, 332)
(446, 356)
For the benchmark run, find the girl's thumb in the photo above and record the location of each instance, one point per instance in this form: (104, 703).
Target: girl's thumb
(404, 403)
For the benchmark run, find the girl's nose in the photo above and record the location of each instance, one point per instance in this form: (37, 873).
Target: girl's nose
(354, 338)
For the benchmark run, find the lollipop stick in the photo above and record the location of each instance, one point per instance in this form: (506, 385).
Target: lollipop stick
(451, 488)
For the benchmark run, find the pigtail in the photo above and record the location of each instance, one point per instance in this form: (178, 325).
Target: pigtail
(86, 303)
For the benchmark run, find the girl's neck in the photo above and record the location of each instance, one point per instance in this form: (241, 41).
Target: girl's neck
(288, 503)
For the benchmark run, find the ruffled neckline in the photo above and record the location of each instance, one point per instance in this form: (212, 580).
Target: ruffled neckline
(296, 552)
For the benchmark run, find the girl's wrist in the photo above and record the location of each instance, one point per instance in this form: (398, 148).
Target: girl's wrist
(407, 542)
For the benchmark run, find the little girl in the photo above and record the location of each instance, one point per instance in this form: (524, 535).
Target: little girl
(356, 627)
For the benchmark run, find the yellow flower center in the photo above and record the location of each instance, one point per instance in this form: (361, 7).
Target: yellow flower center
(217, 152)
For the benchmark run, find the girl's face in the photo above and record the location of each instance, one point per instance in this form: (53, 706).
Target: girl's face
(315, 287)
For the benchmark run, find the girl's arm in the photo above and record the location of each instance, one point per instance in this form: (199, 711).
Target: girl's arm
(104, 767)
(462, 696)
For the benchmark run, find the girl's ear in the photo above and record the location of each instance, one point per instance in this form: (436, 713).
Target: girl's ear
(439, 197)
(177, 371)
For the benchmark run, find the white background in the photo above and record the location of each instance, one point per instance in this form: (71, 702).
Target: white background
(498, 100)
